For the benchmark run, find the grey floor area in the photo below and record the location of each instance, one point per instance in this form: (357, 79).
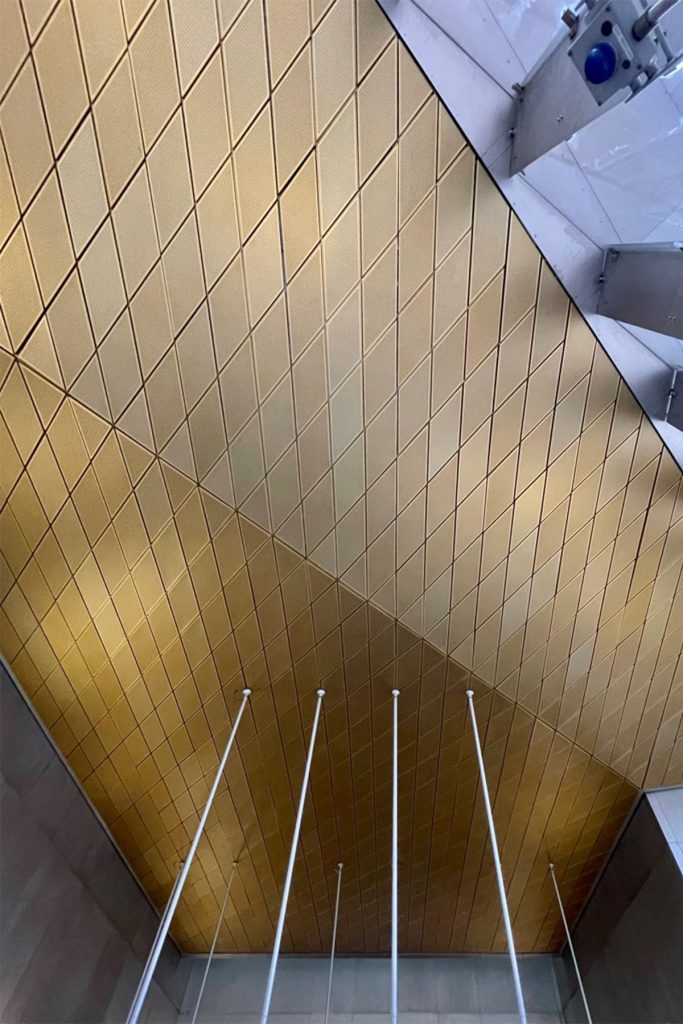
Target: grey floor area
(432, 990)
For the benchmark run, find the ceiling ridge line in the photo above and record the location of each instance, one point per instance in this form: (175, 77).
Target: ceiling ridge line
(155, 455)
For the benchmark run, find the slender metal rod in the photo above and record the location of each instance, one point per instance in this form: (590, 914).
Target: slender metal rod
(671, 393)
(290, 866)
(394, 867)
(496, 860)
(551, 869)
(215, 940)
(138, 1001)
(650, 17)
(340, 868)
(162, 920)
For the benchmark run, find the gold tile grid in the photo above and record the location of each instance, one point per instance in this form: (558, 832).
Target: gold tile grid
(136, 606)
(250, 237)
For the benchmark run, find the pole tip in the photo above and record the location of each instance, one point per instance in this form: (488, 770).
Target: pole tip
(469, 694)
(551, 866)
(320, 693)
(234, 863)
(246, 693)
(395, 693)
(340, 865)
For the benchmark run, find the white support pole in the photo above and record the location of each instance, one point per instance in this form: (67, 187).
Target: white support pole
(138, 1001)
(290, 866)
(496, 860)
(162, 921)
(394, 867)
(589, 1019)
(340, 868)
(215, 940)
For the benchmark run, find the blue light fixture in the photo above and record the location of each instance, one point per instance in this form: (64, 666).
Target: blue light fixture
(600, 63)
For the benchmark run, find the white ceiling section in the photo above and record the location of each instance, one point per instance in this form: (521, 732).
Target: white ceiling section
(618, 180)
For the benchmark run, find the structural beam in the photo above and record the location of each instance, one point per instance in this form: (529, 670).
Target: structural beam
(608, 51)
(643, 285)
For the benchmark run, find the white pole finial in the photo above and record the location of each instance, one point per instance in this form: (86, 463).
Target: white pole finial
(496, 861)
(162, 932)
(290, 866)
(551, 868)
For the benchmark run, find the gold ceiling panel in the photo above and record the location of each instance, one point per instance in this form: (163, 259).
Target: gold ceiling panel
(249, 263)
(136, 606)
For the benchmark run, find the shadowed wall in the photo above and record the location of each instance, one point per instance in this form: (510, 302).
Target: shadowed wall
(629, 940)
(75, 927)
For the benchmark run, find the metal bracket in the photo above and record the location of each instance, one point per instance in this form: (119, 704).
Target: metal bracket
(674, 401)
(565, 92)
(643, 285)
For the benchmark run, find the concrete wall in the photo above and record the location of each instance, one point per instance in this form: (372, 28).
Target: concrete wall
(432, 990)
(667, 806)
(629, 939)
(75, 928)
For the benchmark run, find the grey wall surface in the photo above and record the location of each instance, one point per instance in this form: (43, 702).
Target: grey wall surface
(629, 939)
(75, 928)
(667, 806)
(432, 990)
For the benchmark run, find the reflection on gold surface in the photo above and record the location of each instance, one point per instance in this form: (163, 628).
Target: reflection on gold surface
(251, 264)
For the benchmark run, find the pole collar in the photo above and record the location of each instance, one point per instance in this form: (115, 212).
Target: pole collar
(469, 694)
(320, 693)
(395, 693)
(246, 692)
